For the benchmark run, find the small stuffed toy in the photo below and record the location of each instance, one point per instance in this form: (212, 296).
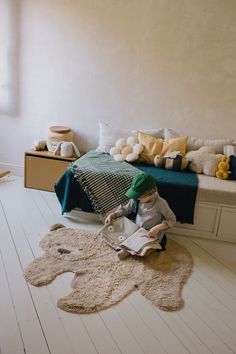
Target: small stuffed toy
(126, 149)
(39, 145)
(67, 149)
(223, 168)
(171, 161)
(204, 160)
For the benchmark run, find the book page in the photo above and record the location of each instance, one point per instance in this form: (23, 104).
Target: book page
(138, 240)
(119, 230)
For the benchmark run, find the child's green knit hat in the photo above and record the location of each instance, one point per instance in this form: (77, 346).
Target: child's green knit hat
(141, 184)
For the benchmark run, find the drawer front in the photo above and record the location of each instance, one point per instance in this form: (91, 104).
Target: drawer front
(42, 173)
(206, 220)
(227, 228)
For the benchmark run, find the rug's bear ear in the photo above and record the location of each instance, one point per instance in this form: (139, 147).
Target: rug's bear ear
(43, 270)
(56, 227)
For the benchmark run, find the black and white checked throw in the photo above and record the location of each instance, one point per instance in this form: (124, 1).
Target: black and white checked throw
(104, 180)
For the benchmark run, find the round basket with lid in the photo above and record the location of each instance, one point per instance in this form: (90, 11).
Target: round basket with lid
(57, 133)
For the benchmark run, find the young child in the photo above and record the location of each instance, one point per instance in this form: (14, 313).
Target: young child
(153, 212)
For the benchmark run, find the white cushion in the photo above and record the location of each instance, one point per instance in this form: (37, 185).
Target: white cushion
(132, 140)
(194, 143)
(132, 157)
(171, 134)
(138, 149)
(157, 133)
(229, 150)
(119, 158)
(120, 143)
(114, 151)
(108, 135)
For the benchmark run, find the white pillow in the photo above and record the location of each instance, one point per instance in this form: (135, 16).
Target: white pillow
(171, 134)
(108, 135)
(194, 143)
(157, 133)
(229, 150)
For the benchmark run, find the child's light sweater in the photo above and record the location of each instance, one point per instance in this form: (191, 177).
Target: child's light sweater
(155, 211)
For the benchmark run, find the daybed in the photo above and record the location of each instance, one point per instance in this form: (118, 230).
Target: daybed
(207, 210)
(214, 215)
(215, 210)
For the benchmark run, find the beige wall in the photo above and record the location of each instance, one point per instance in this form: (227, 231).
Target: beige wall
(135, 63)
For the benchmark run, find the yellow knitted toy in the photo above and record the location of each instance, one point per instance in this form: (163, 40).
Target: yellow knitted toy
(222, 171)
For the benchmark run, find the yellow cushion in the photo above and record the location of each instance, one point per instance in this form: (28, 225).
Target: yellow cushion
(175, 144)
(151, 147)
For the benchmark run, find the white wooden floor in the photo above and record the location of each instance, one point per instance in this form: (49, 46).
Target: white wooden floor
(30, 321)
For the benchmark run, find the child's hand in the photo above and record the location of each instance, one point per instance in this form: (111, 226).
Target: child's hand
(152, 232)
(109, 218)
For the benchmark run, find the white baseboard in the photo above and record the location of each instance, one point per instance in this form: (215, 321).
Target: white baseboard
(14, 169)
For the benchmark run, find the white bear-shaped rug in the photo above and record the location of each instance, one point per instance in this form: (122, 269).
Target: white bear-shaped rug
(101, 279)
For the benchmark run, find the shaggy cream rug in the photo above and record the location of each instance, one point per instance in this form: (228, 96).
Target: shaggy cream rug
(101, 279)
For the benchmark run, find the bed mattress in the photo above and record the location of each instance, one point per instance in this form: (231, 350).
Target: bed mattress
(215, 190)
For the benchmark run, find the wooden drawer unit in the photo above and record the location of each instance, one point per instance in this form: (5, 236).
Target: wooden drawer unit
(211, 221)
(206, 220)
(227, 227)
(43, 168)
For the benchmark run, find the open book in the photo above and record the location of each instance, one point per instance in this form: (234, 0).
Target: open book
(125, 234)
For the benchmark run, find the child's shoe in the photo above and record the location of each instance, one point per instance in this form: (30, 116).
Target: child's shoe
(122, 254)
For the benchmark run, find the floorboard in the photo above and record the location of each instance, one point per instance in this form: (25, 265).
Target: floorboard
(32, 323)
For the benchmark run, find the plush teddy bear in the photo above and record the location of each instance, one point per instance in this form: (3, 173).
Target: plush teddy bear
(204, 160)
(223, 168)
(126, 149)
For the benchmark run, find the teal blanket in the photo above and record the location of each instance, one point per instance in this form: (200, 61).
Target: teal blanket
(178, 188)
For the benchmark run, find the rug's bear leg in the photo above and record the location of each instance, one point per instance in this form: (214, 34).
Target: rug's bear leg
(164, 292)
(43, 270)
(95, 293)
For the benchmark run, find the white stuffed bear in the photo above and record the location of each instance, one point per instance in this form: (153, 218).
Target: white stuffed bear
(67, 149)
(126, 149)
(204, 160)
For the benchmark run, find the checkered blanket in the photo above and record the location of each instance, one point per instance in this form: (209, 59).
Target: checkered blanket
(104, 180)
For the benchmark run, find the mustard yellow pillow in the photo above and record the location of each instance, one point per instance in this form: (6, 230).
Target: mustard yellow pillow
(175, 144)
(151, 147)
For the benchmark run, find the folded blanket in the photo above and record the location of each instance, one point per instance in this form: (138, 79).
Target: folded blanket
(104, 180)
